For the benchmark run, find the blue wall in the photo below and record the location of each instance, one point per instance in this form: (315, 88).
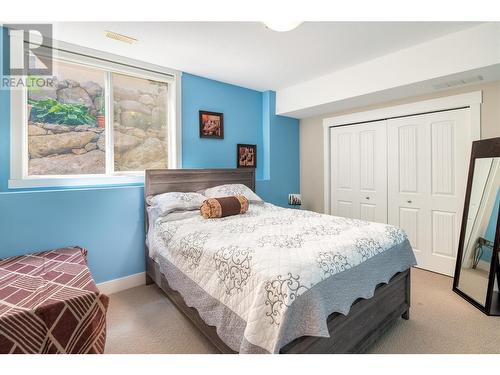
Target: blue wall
(109, 221)
(492, 224)
(242, 109)
(491, 228)
(249, 117)
(281, 135)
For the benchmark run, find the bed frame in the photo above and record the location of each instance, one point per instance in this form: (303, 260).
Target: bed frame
(367, 320)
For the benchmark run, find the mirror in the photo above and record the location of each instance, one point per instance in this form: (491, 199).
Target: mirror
(476, 276)
(480, 229)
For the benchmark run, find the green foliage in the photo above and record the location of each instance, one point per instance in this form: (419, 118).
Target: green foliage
(100, 100)
(53, 112)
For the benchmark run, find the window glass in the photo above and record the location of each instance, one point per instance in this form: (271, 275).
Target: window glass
(140, 123)
(66, 123)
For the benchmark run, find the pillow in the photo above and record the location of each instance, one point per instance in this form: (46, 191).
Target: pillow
(231, 190)
(175, 201)
(226, 206)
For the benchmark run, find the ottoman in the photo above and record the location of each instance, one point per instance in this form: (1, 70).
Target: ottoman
(49, 303)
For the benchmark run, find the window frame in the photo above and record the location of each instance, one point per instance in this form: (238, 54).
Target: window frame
(110, 64)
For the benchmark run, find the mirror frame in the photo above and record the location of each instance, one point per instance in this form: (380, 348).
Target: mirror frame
(488, 148)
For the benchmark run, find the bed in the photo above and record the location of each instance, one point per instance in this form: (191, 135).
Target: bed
(277, 280)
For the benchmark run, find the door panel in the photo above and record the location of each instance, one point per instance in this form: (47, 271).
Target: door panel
(368, 212)
(443, 233)
(408, 153)
(408, 220)
(367, 141)
(344, 209)
(345, 154)
(443, 154)
(427, 163)
(373, 171)
(344, 162)
(407, 181)
(359, 171)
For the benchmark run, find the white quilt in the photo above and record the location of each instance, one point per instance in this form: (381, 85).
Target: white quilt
(257, 264)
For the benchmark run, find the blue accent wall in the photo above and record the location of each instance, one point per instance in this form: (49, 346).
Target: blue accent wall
(249, 117)
(492, 224)
(242, 109)
(109, 222)
(4, 120)
(491, 228)
(281, 135)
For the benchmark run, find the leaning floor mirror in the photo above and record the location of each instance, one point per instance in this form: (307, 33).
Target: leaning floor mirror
(477, 273)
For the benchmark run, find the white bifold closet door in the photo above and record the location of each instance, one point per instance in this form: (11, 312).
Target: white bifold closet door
(428, 159)
(359, 171)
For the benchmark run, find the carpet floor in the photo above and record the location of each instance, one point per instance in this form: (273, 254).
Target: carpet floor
(143, 320)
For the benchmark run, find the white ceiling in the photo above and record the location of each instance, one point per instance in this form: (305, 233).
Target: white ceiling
(250, 55)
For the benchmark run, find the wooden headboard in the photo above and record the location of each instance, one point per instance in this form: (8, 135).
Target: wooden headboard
(159, 181)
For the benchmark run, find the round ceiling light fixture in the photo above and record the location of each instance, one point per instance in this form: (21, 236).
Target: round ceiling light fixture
(282, 26)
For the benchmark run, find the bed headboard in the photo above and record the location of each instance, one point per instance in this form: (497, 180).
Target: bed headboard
(159, 181)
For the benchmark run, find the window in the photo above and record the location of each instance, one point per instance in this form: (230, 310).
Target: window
(67, 122)
(140, 123)
(99, 122)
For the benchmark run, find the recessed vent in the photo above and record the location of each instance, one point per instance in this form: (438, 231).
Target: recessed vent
(458, 82)
(120, 37)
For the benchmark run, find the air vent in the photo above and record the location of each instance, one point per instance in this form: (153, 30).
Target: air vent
(458, 82)
(120, 37)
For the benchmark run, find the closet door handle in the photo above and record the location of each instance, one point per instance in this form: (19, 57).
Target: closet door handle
(408, 201)
(368, 198)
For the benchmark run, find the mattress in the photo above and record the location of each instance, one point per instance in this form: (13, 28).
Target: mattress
(271, 275)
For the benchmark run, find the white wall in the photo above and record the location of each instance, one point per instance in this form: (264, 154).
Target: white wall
(408, 72)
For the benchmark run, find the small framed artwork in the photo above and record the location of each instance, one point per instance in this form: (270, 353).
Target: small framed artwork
(247, 156)
(211, 125)
(294, 200)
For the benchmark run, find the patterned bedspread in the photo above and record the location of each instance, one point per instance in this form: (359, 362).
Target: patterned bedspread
(49, 303)
(271, 275)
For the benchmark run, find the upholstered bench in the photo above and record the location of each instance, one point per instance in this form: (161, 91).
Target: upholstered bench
(49, 303)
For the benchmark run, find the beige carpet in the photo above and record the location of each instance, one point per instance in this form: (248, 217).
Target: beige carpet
(142, 320)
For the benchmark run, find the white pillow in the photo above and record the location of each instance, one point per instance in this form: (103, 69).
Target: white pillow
(230, 190)
(175, 201)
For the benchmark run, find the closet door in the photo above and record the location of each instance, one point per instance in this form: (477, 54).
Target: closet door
(358, 171)
(427, 163)
(344, 197)
(408, 180)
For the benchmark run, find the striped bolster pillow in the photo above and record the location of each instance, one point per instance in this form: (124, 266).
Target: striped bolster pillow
(220, 207)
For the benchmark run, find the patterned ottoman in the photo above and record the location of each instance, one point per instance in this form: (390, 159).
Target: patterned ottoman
(49, 303)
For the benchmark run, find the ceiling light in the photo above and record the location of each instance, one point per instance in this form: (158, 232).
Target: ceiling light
(120, 37)
(282, 26)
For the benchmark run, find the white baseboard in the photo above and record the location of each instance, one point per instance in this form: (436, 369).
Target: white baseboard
(123, 283)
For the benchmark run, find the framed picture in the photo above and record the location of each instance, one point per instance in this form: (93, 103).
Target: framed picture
(246, 156)
(294, 200)
(211, 125)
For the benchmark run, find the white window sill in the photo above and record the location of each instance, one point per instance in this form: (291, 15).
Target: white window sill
(61, 182)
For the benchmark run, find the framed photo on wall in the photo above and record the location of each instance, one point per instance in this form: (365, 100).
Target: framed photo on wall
(211, 125)
(246, 156)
